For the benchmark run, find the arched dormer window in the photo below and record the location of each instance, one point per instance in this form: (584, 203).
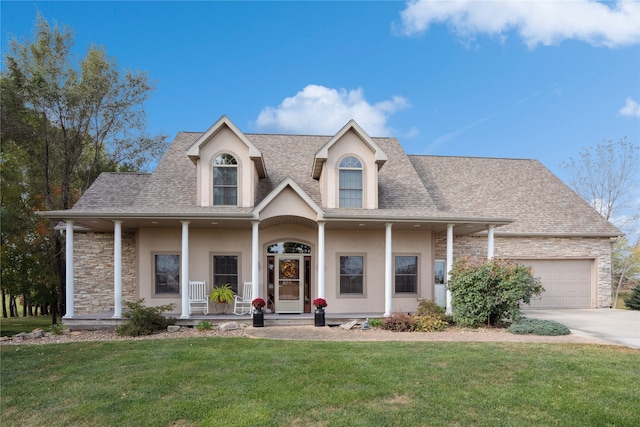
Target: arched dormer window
(350, 194)
(225, 180)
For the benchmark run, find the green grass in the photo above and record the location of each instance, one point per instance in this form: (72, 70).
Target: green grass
(13, 325)
(238, 381)
(621, 296)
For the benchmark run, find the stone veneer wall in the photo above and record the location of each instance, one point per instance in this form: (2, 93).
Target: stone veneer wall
(93, 271)
(540, 248)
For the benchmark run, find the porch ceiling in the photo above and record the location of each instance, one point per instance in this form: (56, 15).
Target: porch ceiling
(461, 227)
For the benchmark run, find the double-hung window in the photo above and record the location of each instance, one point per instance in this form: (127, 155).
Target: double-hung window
(225, 180)
(167, 274)
(406, 274)
(350, 177)
(225, 270)
(351, 275)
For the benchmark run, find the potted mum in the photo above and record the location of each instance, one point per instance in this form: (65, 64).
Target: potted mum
(320, 304)
(258, 316)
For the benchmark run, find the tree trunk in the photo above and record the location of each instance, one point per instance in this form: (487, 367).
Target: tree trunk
(4, 304)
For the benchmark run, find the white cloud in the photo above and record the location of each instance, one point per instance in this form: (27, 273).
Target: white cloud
(322, 110)
(538, 22)
(631, 108)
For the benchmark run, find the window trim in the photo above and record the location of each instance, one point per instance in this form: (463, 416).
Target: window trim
(154, 293)
(339, 294)
(213, 177)
(238, 255)
(407, 294)
(362, 181)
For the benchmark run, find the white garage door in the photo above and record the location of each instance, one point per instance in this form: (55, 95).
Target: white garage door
(567, 283)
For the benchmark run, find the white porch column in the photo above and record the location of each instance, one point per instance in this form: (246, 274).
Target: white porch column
(69, 312)
(255, 257)
(449, 308)
(185, 270)
(117, 269)
(321, 259)
(388, 277)
(490, 247)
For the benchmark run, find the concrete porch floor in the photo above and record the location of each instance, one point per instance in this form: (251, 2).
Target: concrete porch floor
(105, 320)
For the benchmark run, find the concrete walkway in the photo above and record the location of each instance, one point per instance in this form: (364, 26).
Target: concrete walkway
(615, 326)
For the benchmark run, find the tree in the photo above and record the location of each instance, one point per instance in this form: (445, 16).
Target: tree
(625, 265)
(607, 176)
(633, 301)
(71, 120)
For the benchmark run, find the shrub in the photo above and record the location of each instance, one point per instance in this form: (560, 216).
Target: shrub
(57, 328)
(430, 308)
(429, 323)
(203, 325)
(398, 322)
(141, 320)
(538, 327)
(375, 323)
(633, 301)
(490, 291)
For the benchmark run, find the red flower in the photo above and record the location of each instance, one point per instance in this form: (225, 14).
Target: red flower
(258, 303)
(320, 302)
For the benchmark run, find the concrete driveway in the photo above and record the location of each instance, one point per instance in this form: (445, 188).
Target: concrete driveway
(615, 326)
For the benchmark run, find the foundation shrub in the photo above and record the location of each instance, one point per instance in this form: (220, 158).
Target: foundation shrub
(142, 320)
(429, 323)
(398, 322)
(538, 327)
(375, 323)
(430, 308)
(490, 291)
(203, 325)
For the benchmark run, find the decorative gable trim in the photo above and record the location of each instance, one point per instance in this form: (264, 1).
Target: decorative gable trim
(288, 182)
(254, 153)
(323, 153)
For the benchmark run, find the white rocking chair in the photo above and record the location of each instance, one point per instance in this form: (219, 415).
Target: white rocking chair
(198, 296)
(242, 303)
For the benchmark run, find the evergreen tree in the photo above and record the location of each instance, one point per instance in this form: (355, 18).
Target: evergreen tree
(633, 302)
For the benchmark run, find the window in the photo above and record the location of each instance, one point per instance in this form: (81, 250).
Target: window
(352, 275)
(225, 270)
(406, 274)
(167, 274)
(350, 170)
(225, 180)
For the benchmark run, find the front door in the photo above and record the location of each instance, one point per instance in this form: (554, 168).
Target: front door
(289, 276)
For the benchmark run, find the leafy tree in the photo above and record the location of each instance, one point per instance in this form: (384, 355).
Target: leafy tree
(69, 121)
(490, 291)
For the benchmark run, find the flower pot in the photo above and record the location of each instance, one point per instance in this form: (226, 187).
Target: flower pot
(319, 317)
(258, 318)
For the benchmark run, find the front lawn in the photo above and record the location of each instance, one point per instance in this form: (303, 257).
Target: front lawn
(252, 382)
(13, 325)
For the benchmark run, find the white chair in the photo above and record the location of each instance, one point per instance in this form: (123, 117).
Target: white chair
(198, 296)
(242, 303)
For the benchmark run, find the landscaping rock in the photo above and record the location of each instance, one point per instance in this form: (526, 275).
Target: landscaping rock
(348, 326)
(229, 326)
(173, 328)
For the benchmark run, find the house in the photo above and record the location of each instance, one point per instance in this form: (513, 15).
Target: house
(348, 217)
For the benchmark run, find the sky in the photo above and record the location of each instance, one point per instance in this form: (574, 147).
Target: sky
(514, 79)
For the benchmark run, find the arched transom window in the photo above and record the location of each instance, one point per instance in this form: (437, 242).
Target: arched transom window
(225, 180)
(350, 183)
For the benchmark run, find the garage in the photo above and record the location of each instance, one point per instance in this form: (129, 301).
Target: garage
(567, 283)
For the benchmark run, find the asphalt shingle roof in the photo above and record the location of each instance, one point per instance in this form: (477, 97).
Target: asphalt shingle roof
(411, 186)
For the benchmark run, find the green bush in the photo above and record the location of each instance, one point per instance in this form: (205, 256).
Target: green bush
(57, 328)
(490, 291)
(375, 323)
(538, 327)
(398, 322)
(203, 325)
(141, 320)
(633, 301)
(429, 323)
(430, 308)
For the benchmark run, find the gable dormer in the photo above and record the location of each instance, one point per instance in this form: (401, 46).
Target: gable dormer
(347, 167)
(228, 166)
